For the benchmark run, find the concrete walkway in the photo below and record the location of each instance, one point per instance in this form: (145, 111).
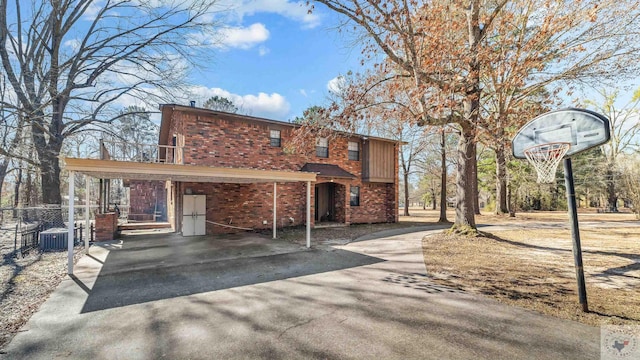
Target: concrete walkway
(367, 299)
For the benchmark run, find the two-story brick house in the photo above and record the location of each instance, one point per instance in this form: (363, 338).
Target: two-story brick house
(215, 172)
(357, 176)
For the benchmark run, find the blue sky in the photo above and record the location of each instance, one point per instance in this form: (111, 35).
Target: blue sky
(272, 58)
(274, 48)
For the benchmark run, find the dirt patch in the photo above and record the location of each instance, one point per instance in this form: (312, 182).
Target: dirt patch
(25, 283)
(534, 269)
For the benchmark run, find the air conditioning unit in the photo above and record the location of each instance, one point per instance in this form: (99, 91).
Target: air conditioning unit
(54, 239)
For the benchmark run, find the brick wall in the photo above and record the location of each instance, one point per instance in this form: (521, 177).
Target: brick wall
(376, 204)
(229, 141)
(248, 205)
(145, 198)
(226, 142)
(106, 226)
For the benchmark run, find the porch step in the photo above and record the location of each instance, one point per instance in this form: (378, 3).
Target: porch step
(328, 224)
(144, 226)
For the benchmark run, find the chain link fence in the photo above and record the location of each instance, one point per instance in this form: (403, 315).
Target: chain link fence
(42, 228)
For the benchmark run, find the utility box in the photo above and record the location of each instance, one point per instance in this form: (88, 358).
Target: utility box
(54, 239)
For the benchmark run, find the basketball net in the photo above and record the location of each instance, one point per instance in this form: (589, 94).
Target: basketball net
(545, 159)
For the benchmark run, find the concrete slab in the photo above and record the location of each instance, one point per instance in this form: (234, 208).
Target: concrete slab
(367, 299)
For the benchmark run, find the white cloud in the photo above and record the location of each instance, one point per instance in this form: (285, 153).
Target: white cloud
(92, 10)
(263, 50)
(303, 92)
(262, 104)
(336, 85)
(73, 44)
(297, 11)
(243, 37)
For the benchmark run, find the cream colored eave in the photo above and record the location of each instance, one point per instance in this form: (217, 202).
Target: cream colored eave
(110, 169)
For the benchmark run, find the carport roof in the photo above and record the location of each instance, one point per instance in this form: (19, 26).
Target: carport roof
(111, 169)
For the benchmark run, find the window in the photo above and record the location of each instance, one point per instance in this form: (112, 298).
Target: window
(354, 150)
(274, 137)
(322, 147)
(355, 196)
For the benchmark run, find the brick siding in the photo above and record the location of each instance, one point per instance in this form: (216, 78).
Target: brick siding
(233, 141)
(106, 226)
(146, 198)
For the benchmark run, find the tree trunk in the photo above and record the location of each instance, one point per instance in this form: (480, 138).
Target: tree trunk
(511, 201)
(501, 181)
(465, 217)
(476, 191)
(48, 151)
(405, 175)
(16, 194)
(467, 181)
(50, 176)
(612, 198)
(443, 179)
(4, 165)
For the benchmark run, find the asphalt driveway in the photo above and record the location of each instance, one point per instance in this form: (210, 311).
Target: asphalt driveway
(367, 299)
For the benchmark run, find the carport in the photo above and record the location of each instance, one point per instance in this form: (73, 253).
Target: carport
(112, 169)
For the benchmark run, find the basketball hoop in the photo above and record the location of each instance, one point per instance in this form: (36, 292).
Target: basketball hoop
(545, 158)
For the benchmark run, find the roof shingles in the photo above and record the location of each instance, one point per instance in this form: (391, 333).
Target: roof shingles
(327, 170)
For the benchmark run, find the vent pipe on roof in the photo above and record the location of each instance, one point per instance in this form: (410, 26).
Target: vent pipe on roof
(193, 103)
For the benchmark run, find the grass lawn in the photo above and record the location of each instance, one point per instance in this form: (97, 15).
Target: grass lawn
(528, 262)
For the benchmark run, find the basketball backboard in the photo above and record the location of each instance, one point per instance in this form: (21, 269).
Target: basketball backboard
(582, 129)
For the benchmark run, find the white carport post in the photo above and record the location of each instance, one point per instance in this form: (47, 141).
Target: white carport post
(275, 219)
(87, 216)
(308, 214)
(70, 238)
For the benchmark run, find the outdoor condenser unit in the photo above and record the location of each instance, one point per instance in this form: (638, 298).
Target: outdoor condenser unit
(54, 239)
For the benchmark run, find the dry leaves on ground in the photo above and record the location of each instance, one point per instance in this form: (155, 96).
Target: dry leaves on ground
(25, 283)
(534, 269)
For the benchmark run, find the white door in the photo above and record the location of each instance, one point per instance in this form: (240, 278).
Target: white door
(194, 212)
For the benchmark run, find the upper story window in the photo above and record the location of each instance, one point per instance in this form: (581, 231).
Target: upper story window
(274, 138)
(322, 147)
(354, 150)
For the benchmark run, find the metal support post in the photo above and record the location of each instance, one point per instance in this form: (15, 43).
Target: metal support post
(87, 213)
(70, 234)
(308, 214)
(575, 233)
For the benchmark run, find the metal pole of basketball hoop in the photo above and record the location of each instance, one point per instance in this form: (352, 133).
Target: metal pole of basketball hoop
(575, 233)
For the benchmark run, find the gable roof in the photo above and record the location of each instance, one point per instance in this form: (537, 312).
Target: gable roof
(167, 109)
(327, 170)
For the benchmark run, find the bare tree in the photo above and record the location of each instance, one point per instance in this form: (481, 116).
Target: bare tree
(69, 62)
(630, 169)
(11, 135)
(625, 129)
(385, 109)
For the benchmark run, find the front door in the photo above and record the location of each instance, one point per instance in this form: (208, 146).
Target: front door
(325, 203)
